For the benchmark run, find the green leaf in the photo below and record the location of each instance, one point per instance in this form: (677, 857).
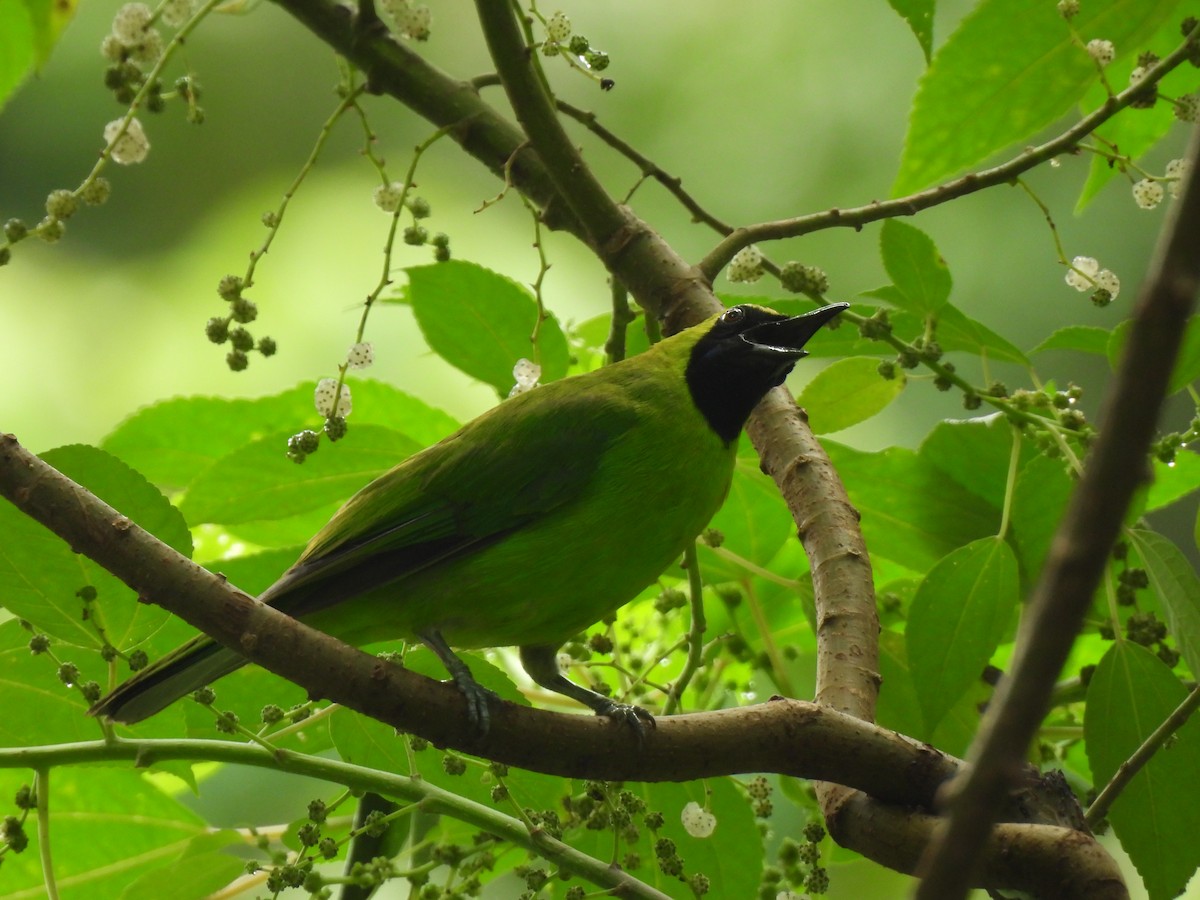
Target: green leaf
(481, 322)
(911, 513)
(258, 481)
(975, 454)
(16, 47)
(1156, 817)
(1173, 481)
(899, 708)
(957, 619)
(1084, 338)
(172, 441)
(29, 29)
(1174, 581)
(753, 520)
(1039, 502)
(38, 708)
(110, 826)
(957, 331)
(993, 84)
(202, 870)
(919, 16)
(593, 335)
(848, 392)
(42, 576)
(1187, 364)
(915, 266)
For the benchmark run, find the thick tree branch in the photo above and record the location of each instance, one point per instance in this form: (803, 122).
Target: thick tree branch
(805, 740)
(788, 737)
(1080, 550)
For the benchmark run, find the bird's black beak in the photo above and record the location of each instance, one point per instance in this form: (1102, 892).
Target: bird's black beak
(784, 339)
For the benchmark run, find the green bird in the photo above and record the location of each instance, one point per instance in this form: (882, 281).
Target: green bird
(533, 521)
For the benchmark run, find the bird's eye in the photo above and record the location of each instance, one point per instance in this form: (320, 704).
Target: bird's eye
(733, 316)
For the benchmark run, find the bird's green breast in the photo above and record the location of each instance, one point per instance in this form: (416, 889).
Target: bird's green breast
(642, 472)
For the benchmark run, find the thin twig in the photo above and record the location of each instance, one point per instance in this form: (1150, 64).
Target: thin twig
(1128, 769)
(858, 216)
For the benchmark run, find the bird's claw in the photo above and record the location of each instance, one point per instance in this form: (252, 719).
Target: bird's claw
(633, 717)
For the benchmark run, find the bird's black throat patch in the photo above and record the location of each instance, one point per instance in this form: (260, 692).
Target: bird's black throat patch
(727, 374)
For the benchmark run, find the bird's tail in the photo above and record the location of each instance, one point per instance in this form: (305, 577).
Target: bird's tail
(197, 663)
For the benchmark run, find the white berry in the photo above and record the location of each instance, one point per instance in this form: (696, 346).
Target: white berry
(697, 821)
(361, 355)
(129, 24)
(1109, 281)
(176, 12)
(131, 147)
(746, 265)
(323, 398)
(1082, 273)
(1101, 51)
(416, 22)
(558, 27)
(1176, 170)
(388, 196)
(526, 374)
(1147, 194)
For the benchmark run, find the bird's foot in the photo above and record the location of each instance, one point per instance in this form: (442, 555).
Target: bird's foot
(478, 699)
(631, 716)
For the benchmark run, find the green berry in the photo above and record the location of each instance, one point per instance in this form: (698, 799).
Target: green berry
(241, 339)
(51, 230)
(237, 360)
(243, 310)
(230, 287)
(419, 207)
(217, 329)
(137, 660)
(96, 192)
(801, 279)
(335, 428)
(61, 204)
(227, 722)
(266, 346)
(415, 235)
(25, 798)
(579, 44)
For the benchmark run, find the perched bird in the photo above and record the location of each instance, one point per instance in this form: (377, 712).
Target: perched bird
(530, 523)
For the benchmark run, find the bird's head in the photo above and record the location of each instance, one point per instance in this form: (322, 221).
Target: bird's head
(743, 353)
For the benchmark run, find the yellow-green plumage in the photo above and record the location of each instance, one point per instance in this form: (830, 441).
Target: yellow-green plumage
(529, 524)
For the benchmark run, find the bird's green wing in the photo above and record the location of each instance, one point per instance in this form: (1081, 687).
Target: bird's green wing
(522, 460)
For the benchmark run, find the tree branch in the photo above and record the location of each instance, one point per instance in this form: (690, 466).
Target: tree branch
(858, 216)
(789, 737)
(1079, 552)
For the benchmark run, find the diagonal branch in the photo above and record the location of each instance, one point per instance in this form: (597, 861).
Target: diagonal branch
(1005, 173)
(1115, 469)
(805, 740)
